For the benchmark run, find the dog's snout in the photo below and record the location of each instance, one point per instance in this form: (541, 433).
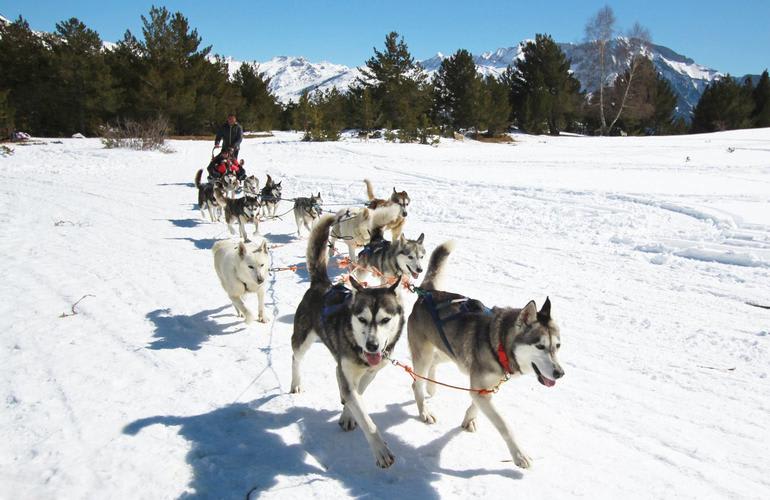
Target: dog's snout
(558, 373)
(372, 346)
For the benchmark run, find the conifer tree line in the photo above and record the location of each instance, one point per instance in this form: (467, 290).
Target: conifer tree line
(60, 83)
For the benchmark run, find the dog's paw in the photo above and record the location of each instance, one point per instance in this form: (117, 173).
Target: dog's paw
(264, 318)
(295, 389)
(427, 417)
(249, 318)
(522, 460)
(383, 456)
(470, 424)
(347, 422)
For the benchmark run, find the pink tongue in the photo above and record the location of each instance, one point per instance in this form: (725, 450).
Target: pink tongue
(373, 359)
(548, 382)
(415, 275)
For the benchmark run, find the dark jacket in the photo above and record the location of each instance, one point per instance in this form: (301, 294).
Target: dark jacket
(230, 136)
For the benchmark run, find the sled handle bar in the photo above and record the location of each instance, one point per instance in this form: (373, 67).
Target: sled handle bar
(214, 149)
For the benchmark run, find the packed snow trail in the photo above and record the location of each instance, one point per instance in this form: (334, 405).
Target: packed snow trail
(156, 389)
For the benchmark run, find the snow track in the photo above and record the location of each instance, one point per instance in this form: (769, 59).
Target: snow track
(156, 389)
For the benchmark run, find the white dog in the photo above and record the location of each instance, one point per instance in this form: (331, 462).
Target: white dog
(243, 268)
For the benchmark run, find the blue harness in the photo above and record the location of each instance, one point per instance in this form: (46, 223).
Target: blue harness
(336, 299)
(374, 247)
(467, 306)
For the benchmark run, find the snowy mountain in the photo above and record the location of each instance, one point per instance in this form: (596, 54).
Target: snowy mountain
(293, 75)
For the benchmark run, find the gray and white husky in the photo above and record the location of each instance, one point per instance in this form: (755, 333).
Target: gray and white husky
(307, 211)
(251, 185)
(230, 184)
(355, 226)
(488, 344)
(360, 327)
(403, 257)
(244, 209)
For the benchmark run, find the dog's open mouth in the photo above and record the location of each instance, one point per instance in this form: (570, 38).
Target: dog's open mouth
(373, 358)
(542, 378)
(414, 274)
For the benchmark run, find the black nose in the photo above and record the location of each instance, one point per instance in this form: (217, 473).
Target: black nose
(372, 346)
(404, 213)
(558, 373)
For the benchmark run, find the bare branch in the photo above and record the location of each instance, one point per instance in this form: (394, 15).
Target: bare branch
(74, 312)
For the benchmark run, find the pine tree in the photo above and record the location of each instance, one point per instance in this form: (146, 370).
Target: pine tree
(397, 84)
(458, 92)
(260, 107)
(761, 96)
(84, 97)
(544, 95)
(6, 115)
(26, 75)
(650, 104)
(724, 105)
(496, 108)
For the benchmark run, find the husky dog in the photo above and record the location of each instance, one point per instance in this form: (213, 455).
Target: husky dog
(404, 257)
(251, 185)
(206, 197)
(244, 209)
(307, 211)
(242, 268)
(400, 198)
(230, 184)
(359, 327)
(488, 344)
(270, 196)
(355, 226)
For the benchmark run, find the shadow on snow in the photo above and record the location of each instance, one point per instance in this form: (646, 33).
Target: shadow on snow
(175, 331)
(238, 449)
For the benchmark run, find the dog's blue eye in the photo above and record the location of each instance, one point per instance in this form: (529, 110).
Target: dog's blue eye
(540, 346)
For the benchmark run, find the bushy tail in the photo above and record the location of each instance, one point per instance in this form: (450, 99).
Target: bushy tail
(369, 189)
(435, 272)
(317, 250)
(219, 195)
(380, 217)
(198, 175)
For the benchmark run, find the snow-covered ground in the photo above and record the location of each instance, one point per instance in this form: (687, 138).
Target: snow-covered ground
(649, 248)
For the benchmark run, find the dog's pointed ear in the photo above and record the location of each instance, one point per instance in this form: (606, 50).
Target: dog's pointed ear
(421, 238)
(545, 311)
(269, 179)
(392, 288)
(358, 286)
(279, 183)
(402, 238)
(528, 315)
(242, 250)
(318, 195)
(263, 247)
(394, 189)
(365, 214)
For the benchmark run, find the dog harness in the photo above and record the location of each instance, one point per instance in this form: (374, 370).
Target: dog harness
(335, 299)
(374, 247)
(467, 306)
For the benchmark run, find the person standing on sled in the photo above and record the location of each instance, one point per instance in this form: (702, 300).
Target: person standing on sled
(230, 135)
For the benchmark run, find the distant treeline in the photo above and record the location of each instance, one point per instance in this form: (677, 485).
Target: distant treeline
(57, 84)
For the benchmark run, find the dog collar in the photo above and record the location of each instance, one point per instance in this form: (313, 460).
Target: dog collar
(502, 358)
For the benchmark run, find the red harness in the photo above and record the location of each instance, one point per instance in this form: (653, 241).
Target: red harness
(502, 358)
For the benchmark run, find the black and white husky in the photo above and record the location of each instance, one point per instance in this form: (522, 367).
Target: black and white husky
(244, 209)
(404, 257)
(307, 211)
(270, 196)
(206, 197)
(360, 327)
(488, 344)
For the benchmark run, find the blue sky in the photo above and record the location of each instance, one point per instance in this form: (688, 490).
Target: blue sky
(730, 36)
